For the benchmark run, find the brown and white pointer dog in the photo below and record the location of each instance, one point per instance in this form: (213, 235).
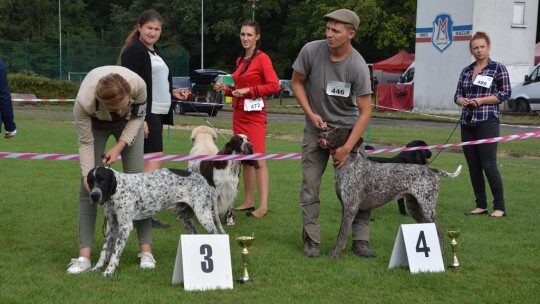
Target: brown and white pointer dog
(363, 185)
(419, 157)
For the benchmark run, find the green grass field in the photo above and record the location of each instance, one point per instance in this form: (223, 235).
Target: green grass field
(499, 257)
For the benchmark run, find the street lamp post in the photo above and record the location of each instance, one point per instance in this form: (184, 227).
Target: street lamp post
(60, 36)
(253, 3)
(202, 34)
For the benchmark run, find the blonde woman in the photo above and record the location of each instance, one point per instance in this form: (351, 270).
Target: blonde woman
(110, 102)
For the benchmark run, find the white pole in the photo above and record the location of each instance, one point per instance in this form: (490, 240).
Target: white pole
(60, 35)
(202, 34)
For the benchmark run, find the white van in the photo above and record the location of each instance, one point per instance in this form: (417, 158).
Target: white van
(526, 96)
(408, 76)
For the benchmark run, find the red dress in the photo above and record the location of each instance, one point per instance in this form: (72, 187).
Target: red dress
(262, 80)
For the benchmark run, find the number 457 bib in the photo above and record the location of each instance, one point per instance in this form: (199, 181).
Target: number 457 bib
(336, 88)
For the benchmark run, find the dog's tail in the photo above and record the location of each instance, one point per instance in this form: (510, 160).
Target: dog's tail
(449, 174)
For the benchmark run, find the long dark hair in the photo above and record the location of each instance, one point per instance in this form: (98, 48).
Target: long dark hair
(144, 17)
(255, 25)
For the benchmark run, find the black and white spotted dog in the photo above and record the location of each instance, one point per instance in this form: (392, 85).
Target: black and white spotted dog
(224, 174)
(364, 185)
(128, 197)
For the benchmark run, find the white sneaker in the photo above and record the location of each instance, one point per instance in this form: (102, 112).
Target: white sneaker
(79, 265)
(10, 134)
(147, 260)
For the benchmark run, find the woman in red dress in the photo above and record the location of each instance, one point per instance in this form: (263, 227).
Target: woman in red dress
(254, 78)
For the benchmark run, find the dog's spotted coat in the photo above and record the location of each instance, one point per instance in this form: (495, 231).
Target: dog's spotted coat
(363, 185)
(128, 197)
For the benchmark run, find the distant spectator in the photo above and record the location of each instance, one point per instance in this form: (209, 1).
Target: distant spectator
(6, 107)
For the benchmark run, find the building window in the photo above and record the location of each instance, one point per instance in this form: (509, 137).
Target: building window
(519, 14)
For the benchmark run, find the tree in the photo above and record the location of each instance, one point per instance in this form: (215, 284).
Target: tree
(386, 26)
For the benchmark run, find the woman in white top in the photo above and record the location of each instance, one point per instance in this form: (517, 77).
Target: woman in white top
(141, 55)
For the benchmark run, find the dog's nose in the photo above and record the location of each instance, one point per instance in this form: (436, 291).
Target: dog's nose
(94, 197)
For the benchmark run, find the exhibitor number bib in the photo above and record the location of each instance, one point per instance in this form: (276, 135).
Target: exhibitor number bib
(483, 81)
(336, 88)
(253, 104)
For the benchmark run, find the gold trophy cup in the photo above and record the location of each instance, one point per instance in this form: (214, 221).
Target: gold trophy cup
(453, 234)
(245, 242)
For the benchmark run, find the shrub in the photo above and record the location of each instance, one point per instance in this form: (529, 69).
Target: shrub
(42, 87)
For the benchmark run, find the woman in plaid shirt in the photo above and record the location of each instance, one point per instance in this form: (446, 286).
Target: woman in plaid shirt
(482, 86)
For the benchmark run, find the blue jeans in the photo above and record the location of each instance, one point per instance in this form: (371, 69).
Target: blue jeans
(482, 159)
(6, 115)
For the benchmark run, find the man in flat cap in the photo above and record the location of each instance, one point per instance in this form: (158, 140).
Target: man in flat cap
(332, 85)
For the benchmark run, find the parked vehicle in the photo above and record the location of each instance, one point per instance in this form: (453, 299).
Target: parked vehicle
(382, 76)
(408, 76)
(285, 90)
(225, 79)
(204, 98)
(526, 96)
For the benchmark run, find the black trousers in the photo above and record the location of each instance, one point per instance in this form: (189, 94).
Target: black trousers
(482, 159)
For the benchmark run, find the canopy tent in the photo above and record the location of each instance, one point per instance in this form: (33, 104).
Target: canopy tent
(397, 63)
(537, 54)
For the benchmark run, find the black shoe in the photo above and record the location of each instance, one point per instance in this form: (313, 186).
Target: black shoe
(361, 248)
(156, 224)
(484, 212)
(311, 249)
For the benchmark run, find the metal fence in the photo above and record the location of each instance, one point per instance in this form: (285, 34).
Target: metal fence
(74, 61)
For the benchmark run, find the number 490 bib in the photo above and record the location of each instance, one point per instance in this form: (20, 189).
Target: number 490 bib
(336, 88)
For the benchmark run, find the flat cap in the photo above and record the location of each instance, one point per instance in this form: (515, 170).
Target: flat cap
(344, 16)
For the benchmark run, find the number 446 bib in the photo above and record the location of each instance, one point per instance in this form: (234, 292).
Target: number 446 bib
(336, 88)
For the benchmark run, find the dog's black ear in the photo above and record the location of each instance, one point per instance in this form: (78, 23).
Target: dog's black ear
(111, 183)
(228, 149)
(206, 167)
(90, 178)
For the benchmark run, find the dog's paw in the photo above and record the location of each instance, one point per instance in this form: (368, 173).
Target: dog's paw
(335, 255)
(230, 221)
(95, 268)
(107, 273)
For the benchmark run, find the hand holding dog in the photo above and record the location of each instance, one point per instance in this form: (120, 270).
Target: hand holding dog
(318, 122)
(339, 156)
(111, 156)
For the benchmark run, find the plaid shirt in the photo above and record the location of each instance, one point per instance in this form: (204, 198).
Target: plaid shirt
(500, 87)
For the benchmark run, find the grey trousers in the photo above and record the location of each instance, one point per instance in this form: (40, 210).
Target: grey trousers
(132, 162)
(314, 162)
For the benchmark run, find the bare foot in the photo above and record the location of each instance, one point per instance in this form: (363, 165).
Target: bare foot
(257, 213)
(498, 213)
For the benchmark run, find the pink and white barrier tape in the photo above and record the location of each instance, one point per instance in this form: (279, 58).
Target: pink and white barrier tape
(279, 156)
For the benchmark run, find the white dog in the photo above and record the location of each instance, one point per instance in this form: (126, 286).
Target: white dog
(203, 139)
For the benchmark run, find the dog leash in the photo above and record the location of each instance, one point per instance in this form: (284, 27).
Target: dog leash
(106, 158)
(451, 134)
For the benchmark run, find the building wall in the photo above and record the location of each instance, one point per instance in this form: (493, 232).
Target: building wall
(440, 61)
